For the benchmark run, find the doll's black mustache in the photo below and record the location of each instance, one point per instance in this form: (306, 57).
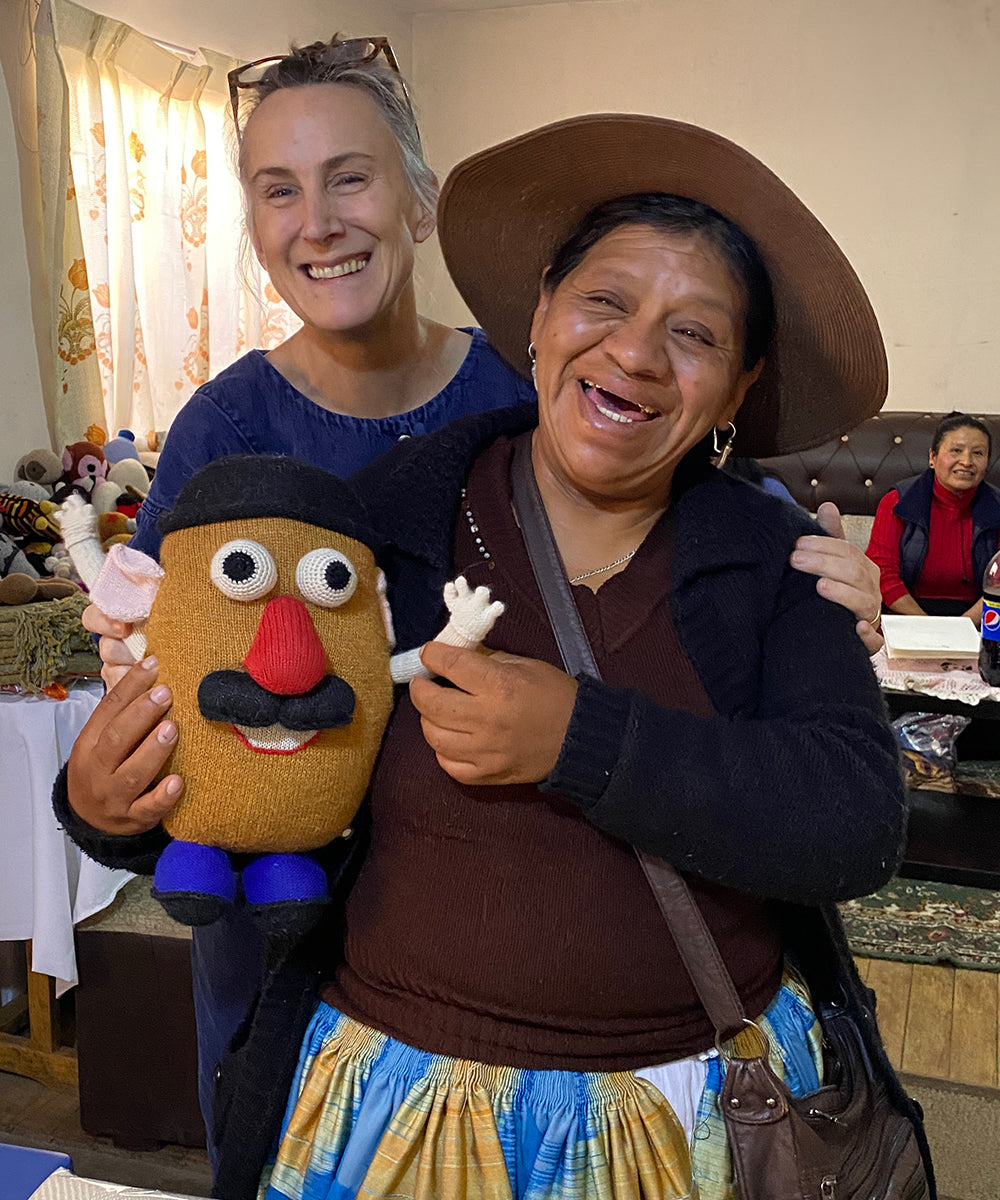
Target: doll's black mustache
(236, 697)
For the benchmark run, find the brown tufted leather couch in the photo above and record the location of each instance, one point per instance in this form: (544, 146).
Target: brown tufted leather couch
(856, 470)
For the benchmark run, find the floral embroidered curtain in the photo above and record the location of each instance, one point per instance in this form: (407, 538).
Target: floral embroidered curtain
(137, 227)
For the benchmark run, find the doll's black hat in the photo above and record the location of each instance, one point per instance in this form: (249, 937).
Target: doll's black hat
(269, 485)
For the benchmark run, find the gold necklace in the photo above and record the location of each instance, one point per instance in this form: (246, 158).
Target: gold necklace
(600, 570)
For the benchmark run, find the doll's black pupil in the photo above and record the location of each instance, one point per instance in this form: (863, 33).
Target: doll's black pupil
(239, 566)
(337, 576)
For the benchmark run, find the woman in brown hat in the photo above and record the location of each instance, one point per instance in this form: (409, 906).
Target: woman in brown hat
(506, 1014)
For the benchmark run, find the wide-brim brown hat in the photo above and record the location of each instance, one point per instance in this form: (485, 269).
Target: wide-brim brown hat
(505, 211)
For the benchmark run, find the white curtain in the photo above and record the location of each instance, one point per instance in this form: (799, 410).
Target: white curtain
(146, 299)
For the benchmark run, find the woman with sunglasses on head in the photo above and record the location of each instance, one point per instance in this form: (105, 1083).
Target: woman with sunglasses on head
(506, 1014)
(337, 195)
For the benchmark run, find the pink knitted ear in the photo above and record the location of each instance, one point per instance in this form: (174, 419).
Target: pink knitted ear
(127, 584)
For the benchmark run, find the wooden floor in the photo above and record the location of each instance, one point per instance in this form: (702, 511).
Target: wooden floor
(48, 1118)
(938, 1021)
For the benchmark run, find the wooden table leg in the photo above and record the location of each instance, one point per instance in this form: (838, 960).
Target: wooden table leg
(43, 1011)
(40, 1055)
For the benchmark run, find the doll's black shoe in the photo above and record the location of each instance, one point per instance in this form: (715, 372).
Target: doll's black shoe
(194, 883)
(286, 894)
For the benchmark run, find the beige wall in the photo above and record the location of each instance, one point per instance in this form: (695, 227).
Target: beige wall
(250, 29)
(884, 116)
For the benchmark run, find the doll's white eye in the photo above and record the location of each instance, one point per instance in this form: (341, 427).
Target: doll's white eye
(326, 578)
(243, 570)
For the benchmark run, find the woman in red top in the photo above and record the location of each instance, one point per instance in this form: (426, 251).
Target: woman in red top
(934, 534)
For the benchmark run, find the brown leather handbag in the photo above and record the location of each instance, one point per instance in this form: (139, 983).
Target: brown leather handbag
(843, 1142)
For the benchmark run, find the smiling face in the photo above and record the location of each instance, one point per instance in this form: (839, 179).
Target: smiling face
(639, 355)
(960, 462)
(271, 633)
(333, 218)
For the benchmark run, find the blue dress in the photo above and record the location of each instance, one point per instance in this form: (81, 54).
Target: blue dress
(250, 408)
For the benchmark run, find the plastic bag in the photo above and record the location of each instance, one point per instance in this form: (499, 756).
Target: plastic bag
(927, 748)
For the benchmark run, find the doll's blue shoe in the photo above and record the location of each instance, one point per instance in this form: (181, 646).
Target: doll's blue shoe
(286, 894)
(194, 883)
(273, 878)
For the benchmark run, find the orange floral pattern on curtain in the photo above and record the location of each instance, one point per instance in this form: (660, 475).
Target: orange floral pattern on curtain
(150, 303)
(76, 329)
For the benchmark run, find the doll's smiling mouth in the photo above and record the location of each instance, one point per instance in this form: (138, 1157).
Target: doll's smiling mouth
(275, 739)
(616, 407)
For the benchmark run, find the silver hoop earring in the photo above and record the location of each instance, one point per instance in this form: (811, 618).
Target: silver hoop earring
(721, 453)
(534, 371)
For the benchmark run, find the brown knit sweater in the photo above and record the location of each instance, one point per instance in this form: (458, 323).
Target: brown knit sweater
(496, 923)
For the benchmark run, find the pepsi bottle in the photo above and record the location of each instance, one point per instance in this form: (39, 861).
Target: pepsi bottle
(989, 629)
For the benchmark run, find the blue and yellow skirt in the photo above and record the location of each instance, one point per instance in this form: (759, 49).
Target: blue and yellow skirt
(370, 1116)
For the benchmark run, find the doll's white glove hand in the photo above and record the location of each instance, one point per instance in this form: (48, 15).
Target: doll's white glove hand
(471, 617)
(472, 614)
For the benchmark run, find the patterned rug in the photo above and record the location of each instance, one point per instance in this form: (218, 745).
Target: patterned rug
(913, 921)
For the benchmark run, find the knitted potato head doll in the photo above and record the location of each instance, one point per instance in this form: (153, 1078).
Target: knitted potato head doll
(272, 630)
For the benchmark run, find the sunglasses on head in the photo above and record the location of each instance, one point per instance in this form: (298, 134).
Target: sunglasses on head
(354, 52)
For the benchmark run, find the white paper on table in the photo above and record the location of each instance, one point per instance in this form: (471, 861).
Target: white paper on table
(929, 637)
(64, 1185)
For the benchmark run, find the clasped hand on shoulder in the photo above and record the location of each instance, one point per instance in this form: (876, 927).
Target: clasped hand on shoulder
(846, 575)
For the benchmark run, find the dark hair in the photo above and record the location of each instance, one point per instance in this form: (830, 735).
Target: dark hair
(317, 63)
(678, 214)
(959, 420)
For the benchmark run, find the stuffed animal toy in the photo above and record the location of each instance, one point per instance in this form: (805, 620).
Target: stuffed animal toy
(122, 446)
(150, 448)
(20, 581)
(22, 588)
(84, 466)
(27, 490)
(12, 558)
(42, 466)
(31, 526)
(127, 483)
(272, 630)
(32, 520)
(59, 564)
(114, 527)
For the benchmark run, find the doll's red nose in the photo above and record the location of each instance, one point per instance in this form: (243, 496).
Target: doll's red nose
(286, 656)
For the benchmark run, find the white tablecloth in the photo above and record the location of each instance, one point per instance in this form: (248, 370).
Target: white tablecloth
(947, 679)
(46, 885)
